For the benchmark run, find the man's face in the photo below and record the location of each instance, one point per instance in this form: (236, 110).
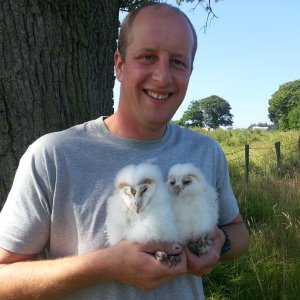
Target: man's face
(157, 67)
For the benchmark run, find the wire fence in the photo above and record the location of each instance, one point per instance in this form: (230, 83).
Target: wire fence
(259, 160)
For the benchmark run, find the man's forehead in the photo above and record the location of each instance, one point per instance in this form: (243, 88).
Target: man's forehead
(164, 20)
(157, 11)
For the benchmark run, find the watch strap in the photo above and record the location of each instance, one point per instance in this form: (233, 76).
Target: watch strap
(227, 244)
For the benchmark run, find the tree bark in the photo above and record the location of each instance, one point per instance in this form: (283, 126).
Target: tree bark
(56, 70)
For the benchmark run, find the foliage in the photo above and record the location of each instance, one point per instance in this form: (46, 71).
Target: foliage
(129, 5)
(212, 112)
(260, 124)
(216, 112)
(284, 106)
(294, 117)
(270, 205)
(271, 267)
(193, 116)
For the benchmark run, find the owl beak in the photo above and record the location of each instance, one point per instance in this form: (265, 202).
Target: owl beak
(138, 208)
(133, 191)
(177, 189)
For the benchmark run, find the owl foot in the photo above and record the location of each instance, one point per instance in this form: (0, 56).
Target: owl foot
(200, 246)
(161, 256)
(174, 260)
(164, 258)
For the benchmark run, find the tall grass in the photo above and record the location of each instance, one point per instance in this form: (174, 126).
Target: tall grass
(270, 205)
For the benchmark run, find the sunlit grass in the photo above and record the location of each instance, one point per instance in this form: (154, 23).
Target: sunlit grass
(270, 205)
(271, 267)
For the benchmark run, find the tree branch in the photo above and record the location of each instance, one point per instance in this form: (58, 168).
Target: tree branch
(128, 5)
(206, 4)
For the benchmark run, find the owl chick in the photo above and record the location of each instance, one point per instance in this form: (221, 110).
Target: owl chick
(140, 209)
(195, 206)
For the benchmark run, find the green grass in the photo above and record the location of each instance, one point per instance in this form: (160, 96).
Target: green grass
(270, 205)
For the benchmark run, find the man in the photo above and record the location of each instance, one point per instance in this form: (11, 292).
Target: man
(58, 199)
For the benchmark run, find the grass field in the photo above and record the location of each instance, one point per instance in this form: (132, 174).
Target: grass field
(270, 205)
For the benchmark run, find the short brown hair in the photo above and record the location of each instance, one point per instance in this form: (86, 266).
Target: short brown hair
(129, 19)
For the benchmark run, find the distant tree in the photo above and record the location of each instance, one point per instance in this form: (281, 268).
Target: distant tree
(193, 116)
(216, 112)
(283, 105)
(294, 118)
(260, 124)
(212, 112)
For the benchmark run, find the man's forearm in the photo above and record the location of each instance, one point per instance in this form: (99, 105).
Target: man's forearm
(239, 239)
(52, 279)
(48, 279)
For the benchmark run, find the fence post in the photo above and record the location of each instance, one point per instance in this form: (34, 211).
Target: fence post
(278, 156)
(247, 164)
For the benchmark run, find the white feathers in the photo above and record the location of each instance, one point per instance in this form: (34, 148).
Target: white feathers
(194, 202)
(140, 209)
(145, 208)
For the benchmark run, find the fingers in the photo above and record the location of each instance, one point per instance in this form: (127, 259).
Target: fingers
(168, 248)
(135, 264)
(168, 254)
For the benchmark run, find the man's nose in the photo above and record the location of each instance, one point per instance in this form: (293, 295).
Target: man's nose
(162, 72)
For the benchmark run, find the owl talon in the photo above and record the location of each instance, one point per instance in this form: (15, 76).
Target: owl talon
(164, 258)
(161, 256)
(201, 246)
(174, 260)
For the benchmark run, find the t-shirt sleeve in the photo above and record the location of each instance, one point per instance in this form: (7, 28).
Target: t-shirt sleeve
(228, 207)
(25, 217)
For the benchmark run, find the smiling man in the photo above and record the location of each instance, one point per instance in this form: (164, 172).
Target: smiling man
(52, 228)
(154, 73)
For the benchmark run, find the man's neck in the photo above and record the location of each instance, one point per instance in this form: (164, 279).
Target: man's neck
(122, 127)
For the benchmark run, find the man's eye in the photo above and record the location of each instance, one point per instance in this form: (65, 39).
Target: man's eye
(178, 62)
(147, 58)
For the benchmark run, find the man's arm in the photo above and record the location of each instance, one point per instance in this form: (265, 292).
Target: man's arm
(24, 278)
(239, 238)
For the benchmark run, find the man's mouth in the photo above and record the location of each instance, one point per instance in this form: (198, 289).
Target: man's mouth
(158, 96)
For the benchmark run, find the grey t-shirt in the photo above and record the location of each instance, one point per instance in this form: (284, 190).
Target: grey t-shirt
(58, 200)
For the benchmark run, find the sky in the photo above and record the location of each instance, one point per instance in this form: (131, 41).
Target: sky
(247, 52)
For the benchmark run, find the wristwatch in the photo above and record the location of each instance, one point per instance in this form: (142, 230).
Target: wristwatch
(227, 244)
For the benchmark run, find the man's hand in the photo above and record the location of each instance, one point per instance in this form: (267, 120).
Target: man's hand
(129, 263)
(204, 263)
(136, 265)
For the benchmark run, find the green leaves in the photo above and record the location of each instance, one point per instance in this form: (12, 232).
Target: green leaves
(212, 112)
(284, 106)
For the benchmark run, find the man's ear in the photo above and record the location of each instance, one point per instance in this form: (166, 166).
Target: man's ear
(119, 66)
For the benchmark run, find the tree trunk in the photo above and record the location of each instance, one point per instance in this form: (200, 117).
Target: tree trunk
(56, 70)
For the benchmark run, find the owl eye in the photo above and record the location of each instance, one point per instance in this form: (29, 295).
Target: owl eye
(186, 182)
(144, 189)
(172, 182)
